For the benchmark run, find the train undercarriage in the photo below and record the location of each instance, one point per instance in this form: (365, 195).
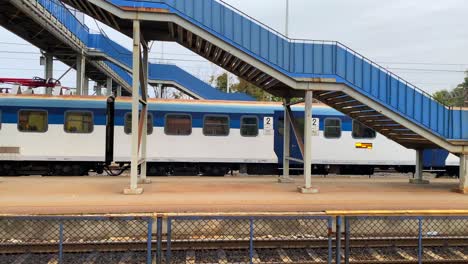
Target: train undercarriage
(68, 168)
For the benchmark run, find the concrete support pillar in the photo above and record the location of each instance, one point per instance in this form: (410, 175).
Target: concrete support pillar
(418, 174)
(85, 86)
(80, 73)
(49, 70)
(98, 90)
(144, 115)
(463, 188)
(109, 86)
(118, 92)
(308, 145)
(286, 145)
(133, 189)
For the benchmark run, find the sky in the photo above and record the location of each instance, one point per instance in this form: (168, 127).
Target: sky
(423, 41)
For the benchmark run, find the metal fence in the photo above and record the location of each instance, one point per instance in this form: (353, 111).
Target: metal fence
(233, 239)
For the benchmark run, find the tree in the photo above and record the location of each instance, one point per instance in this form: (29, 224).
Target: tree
(455, 97)
(241, 85)
(220, 81)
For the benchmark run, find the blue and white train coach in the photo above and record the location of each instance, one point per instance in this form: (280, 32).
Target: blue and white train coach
(73, 135)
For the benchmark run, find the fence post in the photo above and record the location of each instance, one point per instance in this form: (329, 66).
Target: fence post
(420, 245)
(168, 243)
(149, 240)
(347, 240)
(251, 235)
(60, 257)
(330, 240)
(159, 240)
(338, 240)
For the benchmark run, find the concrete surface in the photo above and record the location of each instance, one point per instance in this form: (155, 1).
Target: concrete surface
(104, 194)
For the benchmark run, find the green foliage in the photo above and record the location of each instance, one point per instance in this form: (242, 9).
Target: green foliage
(455, 97)
(220, 81)
(241, 85)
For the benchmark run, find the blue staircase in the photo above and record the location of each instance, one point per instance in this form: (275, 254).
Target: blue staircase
(283, 66)
(160, 73)
(116, 57)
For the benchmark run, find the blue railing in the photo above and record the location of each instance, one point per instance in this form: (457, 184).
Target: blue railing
(317, 58)
(67, 18)
(251, 238)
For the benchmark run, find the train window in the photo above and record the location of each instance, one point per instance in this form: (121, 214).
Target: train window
(80, 122)
(362, 131)
(178, 125)
(32, 121)
(128, 124)
(249, 126)
(332, 128)
(216, 125)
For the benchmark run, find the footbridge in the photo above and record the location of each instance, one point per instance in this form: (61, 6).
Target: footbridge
(325, 70)
(50, 26)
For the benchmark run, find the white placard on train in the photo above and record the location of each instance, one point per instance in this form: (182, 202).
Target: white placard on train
(268, 125)
(315, 127)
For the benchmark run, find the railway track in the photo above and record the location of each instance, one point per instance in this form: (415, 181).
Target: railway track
(436, 250)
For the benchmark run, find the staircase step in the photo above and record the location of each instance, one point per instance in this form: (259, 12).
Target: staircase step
(348, 103)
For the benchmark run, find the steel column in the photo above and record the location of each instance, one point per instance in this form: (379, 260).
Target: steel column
(109, 86)
(418, 174)
(308, 144)
(80, 73)
(144, 115)
(286, 144)
(464, 173)
(49, 70)
(118, 92)
(135, 115)
(98, 90)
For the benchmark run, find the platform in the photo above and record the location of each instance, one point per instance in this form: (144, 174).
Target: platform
(103, 194)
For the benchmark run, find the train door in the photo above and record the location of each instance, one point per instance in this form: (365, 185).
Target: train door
(278, 140)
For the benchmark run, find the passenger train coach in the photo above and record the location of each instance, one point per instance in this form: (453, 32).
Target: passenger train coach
(71, 135)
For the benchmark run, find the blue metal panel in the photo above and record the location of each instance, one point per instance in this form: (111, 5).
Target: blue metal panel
(402, 97)
(384, 84)
(328, 58)
(318, 58)
(273, 48)
(410, 101)
(349, 76)
(286, 53)
(393, 93)
(464, 126)
(367, 77)
(246, 33)
(341, 62)
(264, 37)
(238, 29)
(426, 108)
(434, 123)
(375, 82)
(358, 65)
(255, 38)
(207, 14)
(198, 11)
(309, 58)
(229, 24)
(299, 57)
